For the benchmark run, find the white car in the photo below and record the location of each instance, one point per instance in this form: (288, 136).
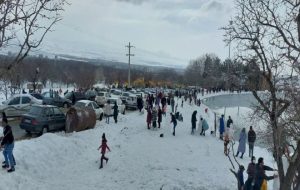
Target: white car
(92, 105)
(19, 104)
(121, 106)
(102, 97)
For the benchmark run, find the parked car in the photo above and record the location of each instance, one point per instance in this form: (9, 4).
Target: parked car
(102, 97)
(90, 95)
(18, 104)
(125, 95)
(43, 118)
(55, 100)
(92, 105)
(37, 96)
(131, 102)
(78, 96)
(121, 105)
(115, 93)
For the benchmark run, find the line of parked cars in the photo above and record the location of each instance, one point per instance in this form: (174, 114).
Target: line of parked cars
(40, 113)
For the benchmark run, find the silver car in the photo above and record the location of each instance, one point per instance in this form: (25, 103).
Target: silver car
(18, 104)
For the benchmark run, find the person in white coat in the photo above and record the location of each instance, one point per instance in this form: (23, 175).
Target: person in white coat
(107, 112)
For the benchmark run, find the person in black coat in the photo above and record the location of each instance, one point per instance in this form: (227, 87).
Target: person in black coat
(260, 174)
(8, 144)
(251, 174)
(140, 103)
(194, 121)
(251, 140)
(159, 116)
(173, 120)
(116, 111)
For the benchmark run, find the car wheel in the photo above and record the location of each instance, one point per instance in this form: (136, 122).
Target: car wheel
(45, 130)
(101, 117)
(28, 132)
(65, 105)
(124, 112)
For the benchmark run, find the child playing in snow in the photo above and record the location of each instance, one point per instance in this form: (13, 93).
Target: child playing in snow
(103, 150)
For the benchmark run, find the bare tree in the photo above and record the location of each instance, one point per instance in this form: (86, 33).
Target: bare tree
(265, 34)
(24, 24)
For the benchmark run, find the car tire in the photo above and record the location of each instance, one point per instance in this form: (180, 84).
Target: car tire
(28, 132)
(45, 130)
(101, 117)
(65, 105)
(124, 112)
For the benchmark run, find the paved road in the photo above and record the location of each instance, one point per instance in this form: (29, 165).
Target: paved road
(17, 131)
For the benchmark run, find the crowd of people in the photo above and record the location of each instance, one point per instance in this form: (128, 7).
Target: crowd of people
(156, 106)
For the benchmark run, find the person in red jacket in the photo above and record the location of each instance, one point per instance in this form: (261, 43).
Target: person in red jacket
(103, 147)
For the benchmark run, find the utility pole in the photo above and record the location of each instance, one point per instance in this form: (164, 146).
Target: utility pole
(129, 55)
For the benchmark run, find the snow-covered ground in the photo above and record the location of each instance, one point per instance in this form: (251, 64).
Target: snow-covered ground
(139, 158)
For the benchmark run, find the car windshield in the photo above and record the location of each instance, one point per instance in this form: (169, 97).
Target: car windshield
(36, 110)
(100, 94)
(37, 96)
(68, 95)
(116, 93)
(79, 104)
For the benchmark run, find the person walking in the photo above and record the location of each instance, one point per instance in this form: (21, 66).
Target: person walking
(149, 117)
(8, 144)
(173, 120)
(172, 104)
(204, 126)
(249, 184)
(116, 111)
(229, 122)
(260, 175)
(242, 143)
(159, 116)
(222, 127)
(103, 147)
(200, 125)
(194, 121)
(251, 140)
(140, 103)
(154, 117)
(107, 112)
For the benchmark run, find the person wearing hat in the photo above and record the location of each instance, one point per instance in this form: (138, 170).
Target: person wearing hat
(8, 144)
(103, 147)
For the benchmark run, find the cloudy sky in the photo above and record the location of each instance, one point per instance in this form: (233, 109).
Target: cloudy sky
(166, 31)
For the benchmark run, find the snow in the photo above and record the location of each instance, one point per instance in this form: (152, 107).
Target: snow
(139, 158)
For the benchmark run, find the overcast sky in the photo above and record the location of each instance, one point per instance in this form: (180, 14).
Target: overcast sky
(177, 29)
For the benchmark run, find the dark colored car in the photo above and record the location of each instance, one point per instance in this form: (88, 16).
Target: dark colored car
(77, 95)
(55, 100)
(37, 96)
(90, 95)
(43, 118)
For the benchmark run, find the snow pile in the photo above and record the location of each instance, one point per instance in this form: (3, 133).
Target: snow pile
(140, 159)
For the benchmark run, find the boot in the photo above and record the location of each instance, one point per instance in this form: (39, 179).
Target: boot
(11, 170)
(237, 154)
(242, 156)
